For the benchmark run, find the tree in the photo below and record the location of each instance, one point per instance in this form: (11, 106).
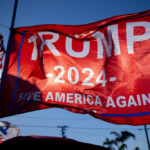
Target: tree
(119, 140)
(110, 143)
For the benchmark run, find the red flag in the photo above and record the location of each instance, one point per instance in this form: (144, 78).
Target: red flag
(1, 49)
(42, 142)
(100, 68)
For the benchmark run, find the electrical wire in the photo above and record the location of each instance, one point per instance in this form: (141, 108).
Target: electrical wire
(83, 128)
(4, 26)
(48, 118)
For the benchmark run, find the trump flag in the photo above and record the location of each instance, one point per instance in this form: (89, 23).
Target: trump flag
(101, 68)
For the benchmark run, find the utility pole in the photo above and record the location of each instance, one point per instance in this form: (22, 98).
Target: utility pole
(7, 50)
(63, 130)
(14, 14)
(147, 138)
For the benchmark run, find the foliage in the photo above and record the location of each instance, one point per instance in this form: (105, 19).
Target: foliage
(119, 140)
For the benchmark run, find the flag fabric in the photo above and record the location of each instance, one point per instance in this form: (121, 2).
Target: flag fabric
(100, 68)
(1, 140)
(2, 50)
(8, 131)
(43, 142)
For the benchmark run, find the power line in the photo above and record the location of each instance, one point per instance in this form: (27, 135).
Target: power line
(4, 26)
(83, 128)
(36, 126)
(48, 118)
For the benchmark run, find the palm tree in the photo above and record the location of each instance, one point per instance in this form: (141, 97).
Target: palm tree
(110, 143)
(120, 139)
(137, 148)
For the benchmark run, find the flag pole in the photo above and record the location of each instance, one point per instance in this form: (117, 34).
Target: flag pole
(14, 14)
(7, 50)
(145, 128)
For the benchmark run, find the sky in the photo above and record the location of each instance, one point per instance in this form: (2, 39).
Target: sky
(69, 12)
